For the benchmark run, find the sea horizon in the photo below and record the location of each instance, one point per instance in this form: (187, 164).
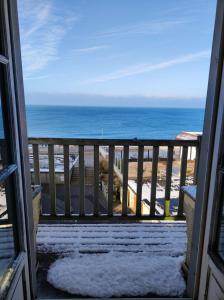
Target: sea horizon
(116, 106)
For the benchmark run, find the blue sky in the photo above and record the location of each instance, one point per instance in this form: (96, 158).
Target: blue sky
(116, 52)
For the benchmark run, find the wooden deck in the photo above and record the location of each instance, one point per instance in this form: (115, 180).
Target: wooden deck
(151, 240)
(157, 238)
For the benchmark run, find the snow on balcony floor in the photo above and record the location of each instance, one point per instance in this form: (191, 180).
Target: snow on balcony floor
(105, 260)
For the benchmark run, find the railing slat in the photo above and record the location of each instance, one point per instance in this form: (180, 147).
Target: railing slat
(197, 160)
(36, 164)
(67, 195)
(154, 180)
(96, 181)
(125, 180)
(81, 181)
(182, 179)
(139, 180)
(196, 166)
(111, 180)
(52, 188)
(168, 181)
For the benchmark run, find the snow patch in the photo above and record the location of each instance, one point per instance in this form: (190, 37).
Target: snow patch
(106, 260)
(166, 239)
(116, 275)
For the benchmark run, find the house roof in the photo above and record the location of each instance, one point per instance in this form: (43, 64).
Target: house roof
(188, 135)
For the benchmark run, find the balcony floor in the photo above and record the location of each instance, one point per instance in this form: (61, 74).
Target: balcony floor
(104, 260)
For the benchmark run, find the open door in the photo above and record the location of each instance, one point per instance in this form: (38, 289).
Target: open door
(209, 215)
(206, 271)
(17, 255)
(212, 271)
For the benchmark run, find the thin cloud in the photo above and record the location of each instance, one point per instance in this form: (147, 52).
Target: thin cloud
(36, 77)
(42, 31)
(153, 27)
(146, 68)
(90, 49)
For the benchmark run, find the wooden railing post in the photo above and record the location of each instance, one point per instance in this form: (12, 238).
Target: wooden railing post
(198, 149)
(168, 181)
(36, 164)
(183, 172)
(111, 180)
(125, 180)
(139, 180)
(81, 181)
(155, 159)
(52, 187)
(67, 196)
(96, 181)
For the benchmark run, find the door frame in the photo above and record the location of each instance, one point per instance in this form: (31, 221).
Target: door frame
(207, 151)
(23, 266)
(23, 139)
(207, 146)
(211, 264)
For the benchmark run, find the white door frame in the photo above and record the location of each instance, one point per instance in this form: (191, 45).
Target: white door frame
(209, 265)
(207, 151)
(20, 279)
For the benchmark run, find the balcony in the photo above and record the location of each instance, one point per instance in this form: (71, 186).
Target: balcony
(119, 200)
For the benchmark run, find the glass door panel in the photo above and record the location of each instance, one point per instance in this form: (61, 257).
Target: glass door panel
(219, 243)
(7, 242)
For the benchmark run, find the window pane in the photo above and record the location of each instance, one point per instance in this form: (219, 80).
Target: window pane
(2, 27)
(7, 248)
(220, 241)
(2, 136)
(3, 150)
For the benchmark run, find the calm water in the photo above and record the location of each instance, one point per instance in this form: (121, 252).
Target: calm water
(101, 122)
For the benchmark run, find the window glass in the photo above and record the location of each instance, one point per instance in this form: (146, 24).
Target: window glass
(7, 245)
(2, 26)
(220, 239)
(2, 141)
(1, 124)
(7, 240)
(3, 149)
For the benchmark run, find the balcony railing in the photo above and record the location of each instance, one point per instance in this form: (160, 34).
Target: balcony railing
(60, 161)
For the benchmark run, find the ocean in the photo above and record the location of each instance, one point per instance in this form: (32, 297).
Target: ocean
(111, 122)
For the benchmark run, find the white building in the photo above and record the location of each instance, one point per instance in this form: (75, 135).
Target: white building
(189, 135)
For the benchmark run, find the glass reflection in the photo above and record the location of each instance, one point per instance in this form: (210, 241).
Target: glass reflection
(220, 241)
(3, 149)
(7, 249)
